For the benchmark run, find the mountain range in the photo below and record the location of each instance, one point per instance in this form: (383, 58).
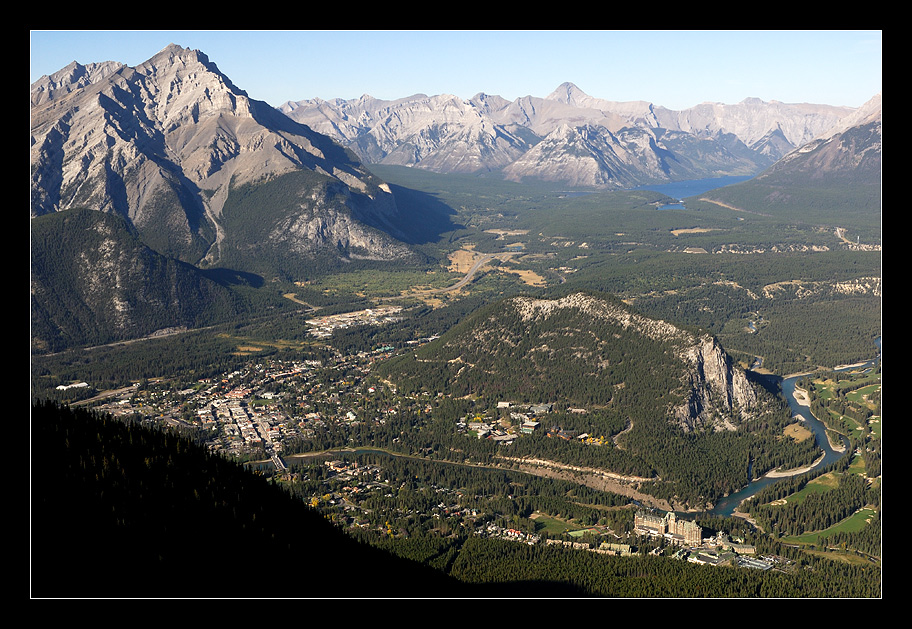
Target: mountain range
(200, 173)
(212, 177)
(569, 136)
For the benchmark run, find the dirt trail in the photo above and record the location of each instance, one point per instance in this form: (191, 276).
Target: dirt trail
(731, 207)
(597, 479)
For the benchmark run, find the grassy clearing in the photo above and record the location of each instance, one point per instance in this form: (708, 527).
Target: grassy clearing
(530, 278)
(798, 432)
(845, 557)
(246, 345)
(862, 395)
(377, 283)
(851, 524)
(857, 466)
(554, 526)
(817, 486)
(875, 424)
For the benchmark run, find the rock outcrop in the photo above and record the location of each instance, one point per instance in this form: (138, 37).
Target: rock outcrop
(719, 394)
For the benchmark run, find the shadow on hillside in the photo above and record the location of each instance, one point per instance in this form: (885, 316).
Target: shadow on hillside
(771, 382)
(232, 277)
(423, 218)
(122, 510)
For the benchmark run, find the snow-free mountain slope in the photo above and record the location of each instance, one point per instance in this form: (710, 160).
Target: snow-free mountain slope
(569, 136)
(164, 144)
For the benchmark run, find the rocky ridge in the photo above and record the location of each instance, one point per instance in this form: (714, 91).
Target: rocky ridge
(854, 145)
(569, 136)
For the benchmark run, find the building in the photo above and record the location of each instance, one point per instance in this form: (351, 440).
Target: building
(615, 549)
(683, 532)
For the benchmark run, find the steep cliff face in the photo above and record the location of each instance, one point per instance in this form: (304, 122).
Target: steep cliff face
(166, 143)
(719, 395)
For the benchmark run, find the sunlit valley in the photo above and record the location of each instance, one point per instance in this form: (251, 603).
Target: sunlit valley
(501, 383)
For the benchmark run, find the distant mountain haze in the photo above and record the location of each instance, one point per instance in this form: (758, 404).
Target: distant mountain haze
(569, 136)
(833, 179)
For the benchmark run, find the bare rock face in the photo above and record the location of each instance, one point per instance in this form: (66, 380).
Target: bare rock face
(593, 156)
(719, 393)
(73, 77)
(569, 136)
(164, 143)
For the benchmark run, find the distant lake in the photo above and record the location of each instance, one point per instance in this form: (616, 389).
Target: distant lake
(683, 189)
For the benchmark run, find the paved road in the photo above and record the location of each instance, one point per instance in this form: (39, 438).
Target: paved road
(480, 262)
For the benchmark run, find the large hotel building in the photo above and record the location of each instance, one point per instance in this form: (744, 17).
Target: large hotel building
(682, 532)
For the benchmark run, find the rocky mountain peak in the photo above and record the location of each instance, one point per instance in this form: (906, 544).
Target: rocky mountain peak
(72, 77)
(568, 93)
(163, 144)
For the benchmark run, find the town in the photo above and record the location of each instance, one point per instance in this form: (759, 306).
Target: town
(292, 419)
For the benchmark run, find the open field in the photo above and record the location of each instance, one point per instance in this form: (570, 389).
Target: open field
(818, 485)
(798, 432)
(851, 524)
(530, 278)
(554, 526)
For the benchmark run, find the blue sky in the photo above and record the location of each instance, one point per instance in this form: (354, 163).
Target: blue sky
(675, 69)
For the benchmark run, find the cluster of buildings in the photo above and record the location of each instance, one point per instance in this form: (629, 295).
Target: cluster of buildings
(515, 535)
(605, 548)
(677, 531)
(714, 551)
(509, 426)
(323, 327)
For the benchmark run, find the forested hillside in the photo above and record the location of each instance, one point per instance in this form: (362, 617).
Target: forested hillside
(629, 376)
(93, 281)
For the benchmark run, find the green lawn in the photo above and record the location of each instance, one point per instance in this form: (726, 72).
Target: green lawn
(851, 524)
(554, 526)
(859, 396)
(817, 486)
(857, 466)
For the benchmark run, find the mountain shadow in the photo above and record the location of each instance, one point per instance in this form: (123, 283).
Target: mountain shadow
(423, 218)
(233, 277)
(125, 511)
